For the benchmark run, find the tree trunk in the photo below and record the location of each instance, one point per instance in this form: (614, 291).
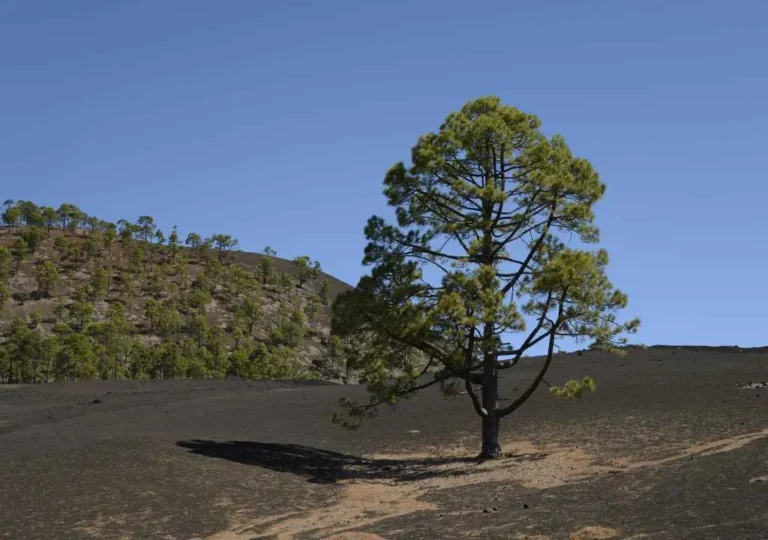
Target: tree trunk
(491, 446)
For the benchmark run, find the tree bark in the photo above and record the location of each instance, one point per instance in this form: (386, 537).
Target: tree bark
(491, 447)
(490, 434)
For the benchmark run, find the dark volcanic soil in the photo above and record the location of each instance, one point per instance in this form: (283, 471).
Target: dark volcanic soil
(668, 447)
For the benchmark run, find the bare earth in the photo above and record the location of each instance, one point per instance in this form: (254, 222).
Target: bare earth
(674, 444)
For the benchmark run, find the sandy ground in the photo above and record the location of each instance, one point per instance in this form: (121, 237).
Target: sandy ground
(674, 444)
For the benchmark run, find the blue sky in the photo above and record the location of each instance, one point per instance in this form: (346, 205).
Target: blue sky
(276, 121)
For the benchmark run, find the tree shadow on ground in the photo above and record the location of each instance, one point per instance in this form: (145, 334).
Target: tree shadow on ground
(325, 466)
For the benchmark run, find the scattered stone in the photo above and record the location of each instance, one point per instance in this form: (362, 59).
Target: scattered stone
(753, 385)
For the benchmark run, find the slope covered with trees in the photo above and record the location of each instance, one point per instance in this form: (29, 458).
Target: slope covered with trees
(82, 298)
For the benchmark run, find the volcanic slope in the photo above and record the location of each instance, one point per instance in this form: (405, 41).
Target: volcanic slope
(670, 446)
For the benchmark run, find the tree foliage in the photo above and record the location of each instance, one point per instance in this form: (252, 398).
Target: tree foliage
(47, 277)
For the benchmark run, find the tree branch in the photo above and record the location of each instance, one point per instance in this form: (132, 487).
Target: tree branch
(535, 384)
(467, 378)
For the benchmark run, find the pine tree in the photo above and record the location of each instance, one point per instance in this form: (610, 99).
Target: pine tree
(487, 206)
(47, 277)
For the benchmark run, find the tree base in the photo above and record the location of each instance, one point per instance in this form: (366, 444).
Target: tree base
(491, 449)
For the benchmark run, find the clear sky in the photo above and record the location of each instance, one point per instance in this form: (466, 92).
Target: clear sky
(276, 121)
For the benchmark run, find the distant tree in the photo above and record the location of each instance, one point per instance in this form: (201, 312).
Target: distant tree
(50, 217)
(60, 309)
(287, 282)
(487, 205)
(146, 227)
(170, 361)
(70, 274)
(199, 298)
(30, 213)
(173, 243)
(69, 215)
(211, 276)
(100, 283)
(19, 250)
(91, 248)
(110, 234)
(169, 322)
(223, 243)
(267, 270)
(324, 286)
(241, 363)
(153, 312)
(75, 358)
(182, 272)
(117, 332)
(77, 219)
(139, 263)
(338, 359)
(195, 359)
(290, 326)
(198, 328)
(239, 281)
(49, 347)
(96, 238)
(275, 363)
(92, 223)
(305, 270)
(270, 252)
(159, 237)
(216, 357)
(125, 228)
(312, 308)
(47, 277)
(76, 252)
(205, 249)
(195, 242)
(35, 319)
(22, 352)
(33, 236)
(250, 311)
(62, 245)
(5, 295)
(6, 264)
(159, 284)
(127, 232)
(81, 312)
(11, 217)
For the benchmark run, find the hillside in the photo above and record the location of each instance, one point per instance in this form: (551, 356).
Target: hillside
(82, 298)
